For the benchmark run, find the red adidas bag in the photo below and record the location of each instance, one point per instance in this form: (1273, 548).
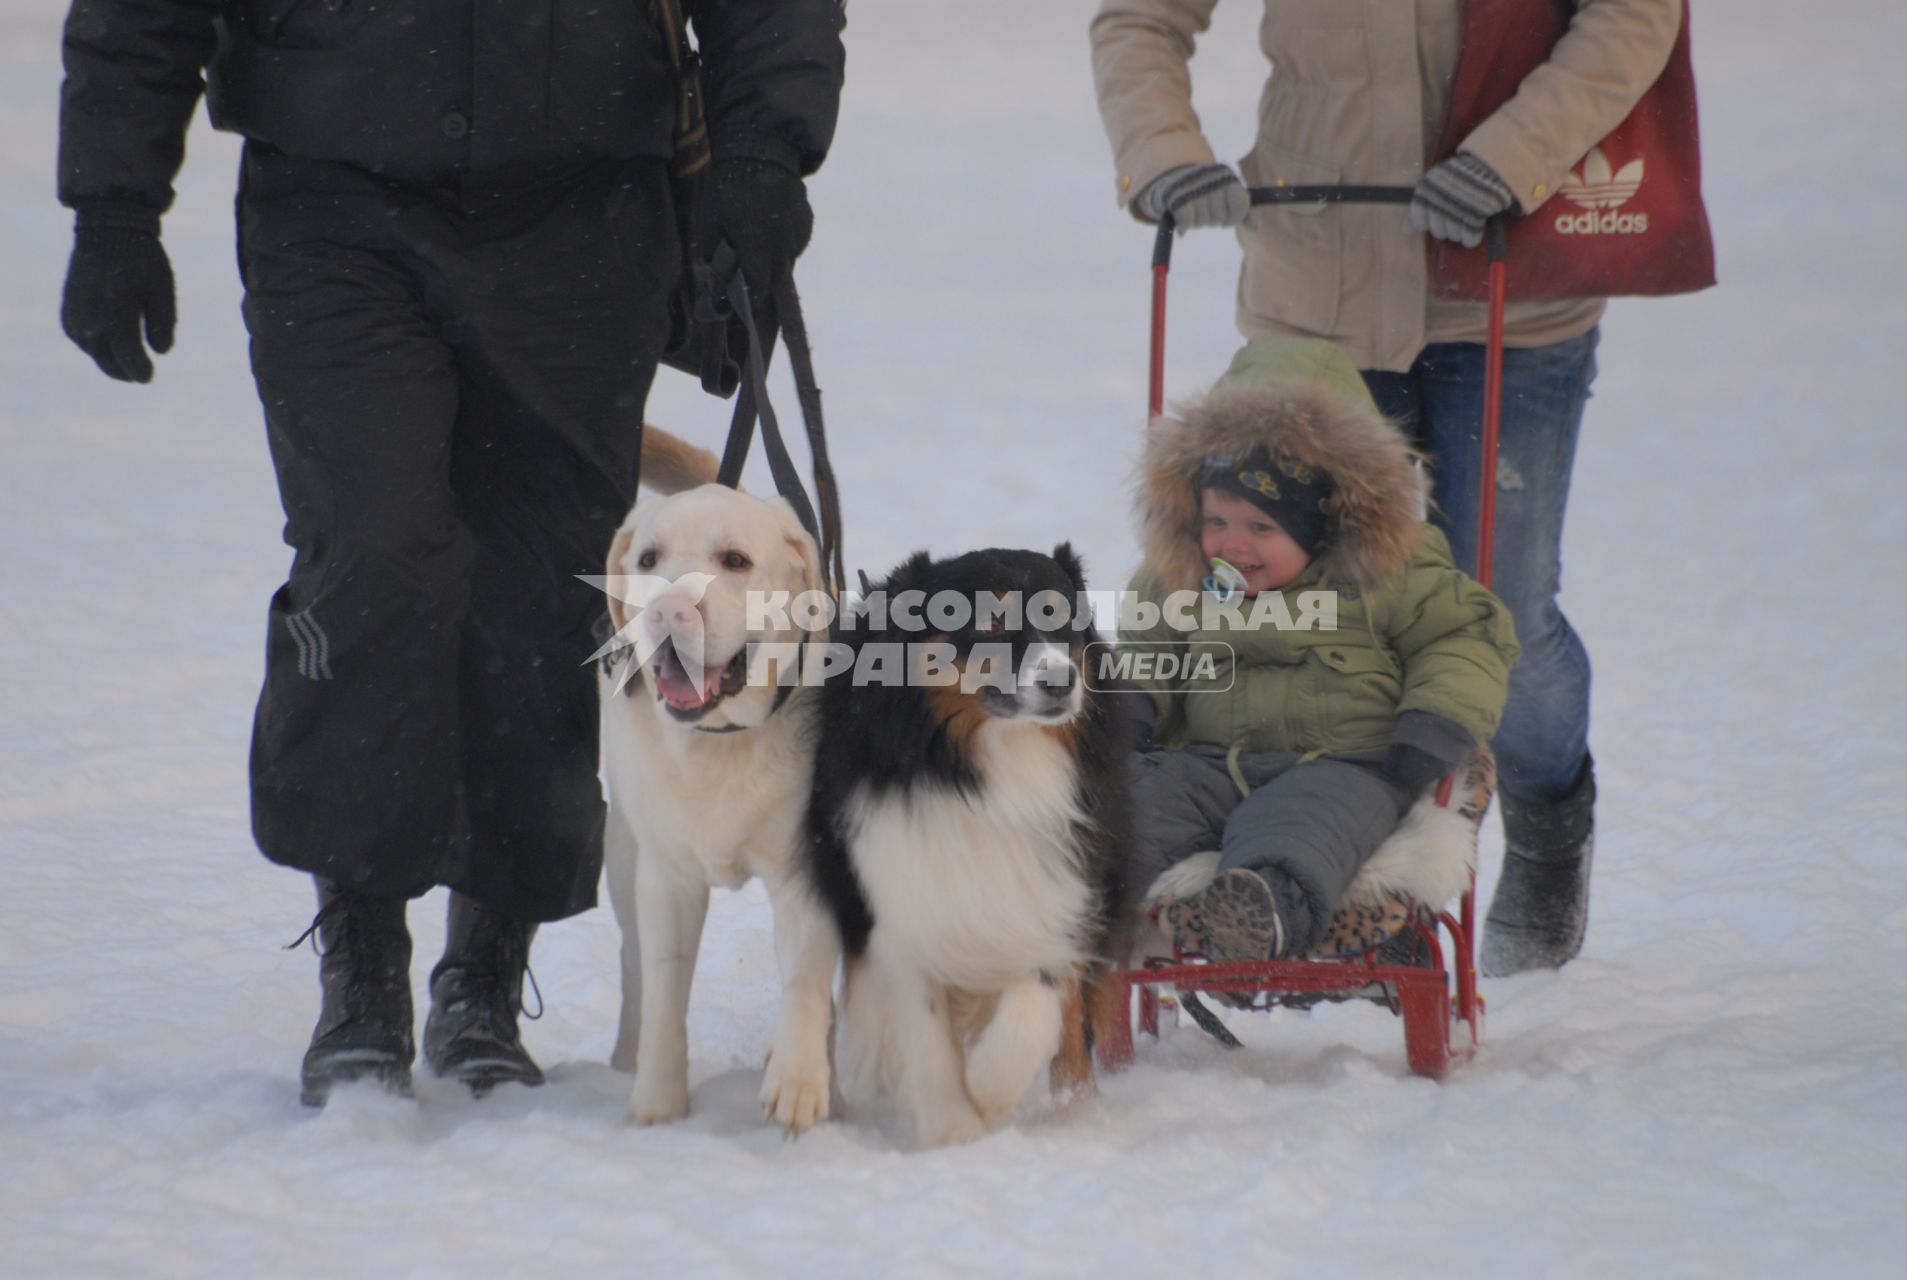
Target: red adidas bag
(1628, 220)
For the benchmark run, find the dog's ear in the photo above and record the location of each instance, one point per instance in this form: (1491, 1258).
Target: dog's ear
(671, 464)
(1069, 561)
(616, 567)
(908, 572)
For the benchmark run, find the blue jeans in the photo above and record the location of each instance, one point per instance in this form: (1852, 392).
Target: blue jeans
(1544, 737)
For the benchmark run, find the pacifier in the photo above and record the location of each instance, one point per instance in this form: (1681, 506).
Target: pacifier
(1223, 581)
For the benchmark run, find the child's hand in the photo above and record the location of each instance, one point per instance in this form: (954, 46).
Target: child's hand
(1412, 767)
(1424, 747)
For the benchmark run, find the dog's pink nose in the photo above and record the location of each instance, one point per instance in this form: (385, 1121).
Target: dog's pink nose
(670, 613)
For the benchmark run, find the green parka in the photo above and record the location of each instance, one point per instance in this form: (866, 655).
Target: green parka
(1411, 633)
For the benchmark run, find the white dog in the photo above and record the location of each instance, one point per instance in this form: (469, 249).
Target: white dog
(708, 765)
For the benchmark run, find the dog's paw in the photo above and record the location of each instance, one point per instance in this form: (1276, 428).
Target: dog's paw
(996, 1087)
(623, 1057)
(795, 1097)
(1016, 1046)
(658, 1104)
(994, 1110)
(954, 1127)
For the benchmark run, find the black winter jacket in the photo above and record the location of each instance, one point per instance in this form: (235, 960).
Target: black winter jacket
(495, 91)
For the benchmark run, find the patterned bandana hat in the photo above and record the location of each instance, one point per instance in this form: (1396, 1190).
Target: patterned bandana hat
(1296, 496)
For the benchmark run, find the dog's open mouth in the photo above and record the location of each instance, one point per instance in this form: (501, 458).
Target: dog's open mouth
(687, 698)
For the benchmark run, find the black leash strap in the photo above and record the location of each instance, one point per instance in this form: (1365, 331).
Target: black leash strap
(692, 150)
(741, 426)
(752, 403)
(808, 393)
(1207, 1020)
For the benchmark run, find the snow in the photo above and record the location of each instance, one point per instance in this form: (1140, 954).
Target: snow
(1714, 1088)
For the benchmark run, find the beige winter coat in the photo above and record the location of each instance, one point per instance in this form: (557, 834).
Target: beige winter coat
(1358, 94)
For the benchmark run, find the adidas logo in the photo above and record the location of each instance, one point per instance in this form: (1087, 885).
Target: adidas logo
(1600, 194)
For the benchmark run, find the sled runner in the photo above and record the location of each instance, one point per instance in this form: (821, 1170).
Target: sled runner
(1384, 944)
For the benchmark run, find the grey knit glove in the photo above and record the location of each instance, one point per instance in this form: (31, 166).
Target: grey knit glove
(1456, 198)
(1197, 195)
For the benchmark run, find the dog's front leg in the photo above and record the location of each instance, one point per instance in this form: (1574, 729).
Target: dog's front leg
(932, 1090)
(671, 904)
(619, 874)
(794, 1088)
(1022, 1038)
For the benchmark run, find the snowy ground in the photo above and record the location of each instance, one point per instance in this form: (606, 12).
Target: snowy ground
(1715, 1088)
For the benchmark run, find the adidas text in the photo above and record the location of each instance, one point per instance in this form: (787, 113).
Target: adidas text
(1607, 222)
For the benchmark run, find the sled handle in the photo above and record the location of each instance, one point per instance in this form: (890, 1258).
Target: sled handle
(1496, 237)
(1162, 256)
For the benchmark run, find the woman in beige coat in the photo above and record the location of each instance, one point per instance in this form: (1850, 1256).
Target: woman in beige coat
(1358, 94)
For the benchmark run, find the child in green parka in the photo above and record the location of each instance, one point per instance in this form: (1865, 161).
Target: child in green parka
(1314, 658)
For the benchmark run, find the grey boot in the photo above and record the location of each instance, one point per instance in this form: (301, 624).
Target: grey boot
(1541, 909)
(476, 993)
(365, 1021)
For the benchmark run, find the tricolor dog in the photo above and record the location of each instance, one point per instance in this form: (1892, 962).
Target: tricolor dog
(966, 832)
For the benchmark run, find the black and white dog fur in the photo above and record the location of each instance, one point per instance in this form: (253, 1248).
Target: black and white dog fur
(969, 844)
(708, 769)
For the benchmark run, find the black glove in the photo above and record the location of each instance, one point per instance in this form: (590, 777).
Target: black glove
(117, 280)
(1456, 198)
(760, 210)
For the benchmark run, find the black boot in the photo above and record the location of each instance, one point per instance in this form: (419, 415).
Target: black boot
(476, 993)
(1541, 909)
(365, 1023)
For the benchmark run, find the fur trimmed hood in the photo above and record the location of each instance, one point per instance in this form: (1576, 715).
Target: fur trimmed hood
(1303, 402)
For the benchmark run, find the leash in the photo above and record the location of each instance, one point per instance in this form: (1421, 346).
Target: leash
(808, 394)
(692, 156)
(752, 403)
(1207, 1020)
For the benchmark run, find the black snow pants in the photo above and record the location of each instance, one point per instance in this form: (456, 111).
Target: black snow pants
(453, 382)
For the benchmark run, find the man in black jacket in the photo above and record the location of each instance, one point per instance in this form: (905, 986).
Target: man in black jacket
(458, 240)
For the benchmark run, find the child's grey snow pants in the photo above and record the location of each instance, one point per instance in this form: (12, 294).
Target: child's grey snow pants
(1306, 826)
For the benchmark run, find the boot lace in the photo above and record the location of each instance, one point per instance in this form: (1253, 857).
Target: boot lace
(488, 986)
(515, 948)
(330, 911)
